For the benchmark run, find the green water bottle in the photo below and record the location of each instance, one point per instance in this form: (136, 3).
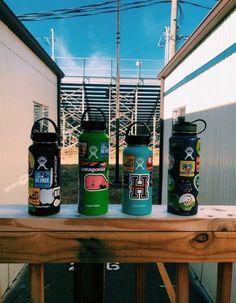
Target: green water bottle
(93, 164)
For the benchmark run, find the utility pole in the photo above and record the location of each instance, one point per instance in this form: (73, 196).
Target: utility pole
(173, 27)
(117, 177)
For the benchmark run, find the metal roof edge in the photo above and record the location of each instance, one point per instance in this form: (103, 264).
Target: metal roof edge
(14, 24)
(217, 14)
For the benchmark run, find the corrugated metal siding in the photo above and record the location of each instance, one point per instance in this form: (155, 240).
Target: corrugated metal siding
(212, 97)
(23, 79)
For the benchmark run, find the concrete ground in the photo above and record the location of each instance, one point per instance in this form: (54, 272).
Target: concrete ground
(119, 285)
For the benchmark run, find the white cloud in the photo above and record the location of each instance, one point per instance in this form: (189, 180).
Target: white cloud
(97, 64)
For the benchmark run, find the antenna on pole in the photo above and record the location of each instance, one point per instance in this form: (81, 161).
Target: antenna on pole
(52, 44)
(117, 177)
(173, 27)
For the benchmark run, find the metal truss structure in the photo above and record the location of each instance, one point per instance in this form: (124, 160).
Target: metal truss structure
(139, 101)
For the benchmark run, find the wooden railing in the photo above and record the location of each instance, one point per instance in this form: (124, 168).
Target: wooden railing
(210, 236)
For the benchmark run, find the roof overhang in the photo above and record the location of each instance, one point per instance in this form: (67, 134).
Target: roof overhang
(13, 23)
(217, 14)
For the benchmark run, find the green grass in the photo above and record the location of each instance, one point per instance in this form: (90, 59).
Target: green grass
(69, 185)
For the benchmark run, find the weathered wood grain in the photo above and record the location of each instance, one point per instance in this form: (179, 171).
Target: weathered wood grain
(224, 282)
(131, 247)
(182, 283)
(36, 283)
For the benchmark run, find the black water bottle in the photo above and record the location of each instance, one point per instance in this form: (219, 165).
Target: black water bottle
(44, 172)
(184, 167)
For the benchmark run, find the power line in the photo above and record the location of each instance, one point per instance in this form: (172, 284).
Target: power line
(97, 9)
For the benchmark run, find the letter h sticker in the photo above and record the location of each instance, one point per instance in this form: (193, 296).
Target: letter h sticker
(138, 186)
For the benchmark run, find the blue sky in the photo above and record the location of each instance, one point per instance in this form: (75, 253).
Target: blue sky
(95, 36)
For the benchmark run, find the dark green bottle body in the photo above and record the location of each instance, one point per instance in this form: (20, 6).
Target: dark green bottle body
(44, 179)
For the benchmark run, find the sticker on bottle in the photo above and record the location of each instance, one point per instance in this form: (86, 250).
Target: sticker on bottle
(34, 196)
(42, 179)
(128, 163)
(104, 150)
(197, 164)
(171, 161)
(196, 182)
(96, 182)
(186, 202)
(171, 183)
(187, 168)
(83, 149)
(149, 163)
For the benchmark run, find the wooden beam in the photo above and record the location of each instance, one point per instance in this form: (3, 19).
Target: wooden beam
(36, 283)
(182, 283)
(167, 282)
(224, 282)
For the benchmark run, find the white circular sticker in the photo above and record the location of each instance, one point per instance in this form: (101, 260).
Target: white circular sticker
(187, 201)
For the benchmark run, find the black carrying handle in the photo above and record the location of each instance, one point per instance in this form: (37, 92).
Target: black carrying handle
(93, 107)
(137, 122)
(36, 122)
(205, 125)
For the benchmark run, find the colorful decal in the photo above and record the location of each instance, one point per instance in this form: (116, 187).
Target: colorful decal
(187, 168)
(104, 150)
(196, 182)
(185, 186)
(83, 149)
(93, 151)
(94, 166)
(128, 163)
(31, 164)
(189, 153)
(50, 196)
(96, 182)
(198, 147)
(187, 202)
(149, 163)
(42, 179)
(173, 200)
(171, 161)
(34, 196)
(197, 164)
(139, 163)
(138, 186)
(171, 183)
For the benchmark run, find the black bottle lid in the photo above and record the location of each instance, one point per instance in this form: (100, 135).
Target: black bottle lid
(183, 126)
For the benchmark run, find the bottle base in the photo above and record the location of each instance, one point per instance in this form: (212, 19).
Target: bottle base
(44, 211)
(181, 212)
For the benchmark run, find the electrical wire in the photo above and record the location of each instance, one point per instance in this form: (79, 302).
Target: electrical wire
(99, 8)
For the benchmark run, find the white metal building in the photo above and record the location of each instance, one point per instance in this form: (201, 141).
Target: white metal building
(29, 89)
(199, 82)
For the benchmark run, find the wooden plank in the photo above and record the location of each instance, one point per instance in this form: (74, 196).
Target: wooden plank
(182, 283)
(102, 247)
(167, 282)
(36, 283)
(140, 283)
(224, 282)
(209, 218)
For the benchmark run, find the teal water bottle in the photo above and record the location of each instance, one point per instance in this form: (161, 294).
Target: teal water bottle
(137, 173)
(93, 164)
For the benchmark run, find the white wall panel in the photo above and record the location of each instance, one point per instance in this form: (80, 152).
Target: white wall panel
(24, 79)
(220, 39)
(212, 97)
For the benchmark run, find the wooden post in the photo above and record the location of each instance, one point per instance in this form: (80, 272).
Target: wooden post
(224, 282)
(89, 282)
(182, 283)
(140, 283)
(36, 283)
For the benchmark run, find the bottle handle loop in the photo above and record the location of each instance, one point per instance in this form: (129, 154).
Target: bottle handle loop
(204, 127)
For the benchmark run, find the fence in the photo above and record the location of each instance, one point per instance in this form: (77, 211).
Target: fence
(161, 237)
